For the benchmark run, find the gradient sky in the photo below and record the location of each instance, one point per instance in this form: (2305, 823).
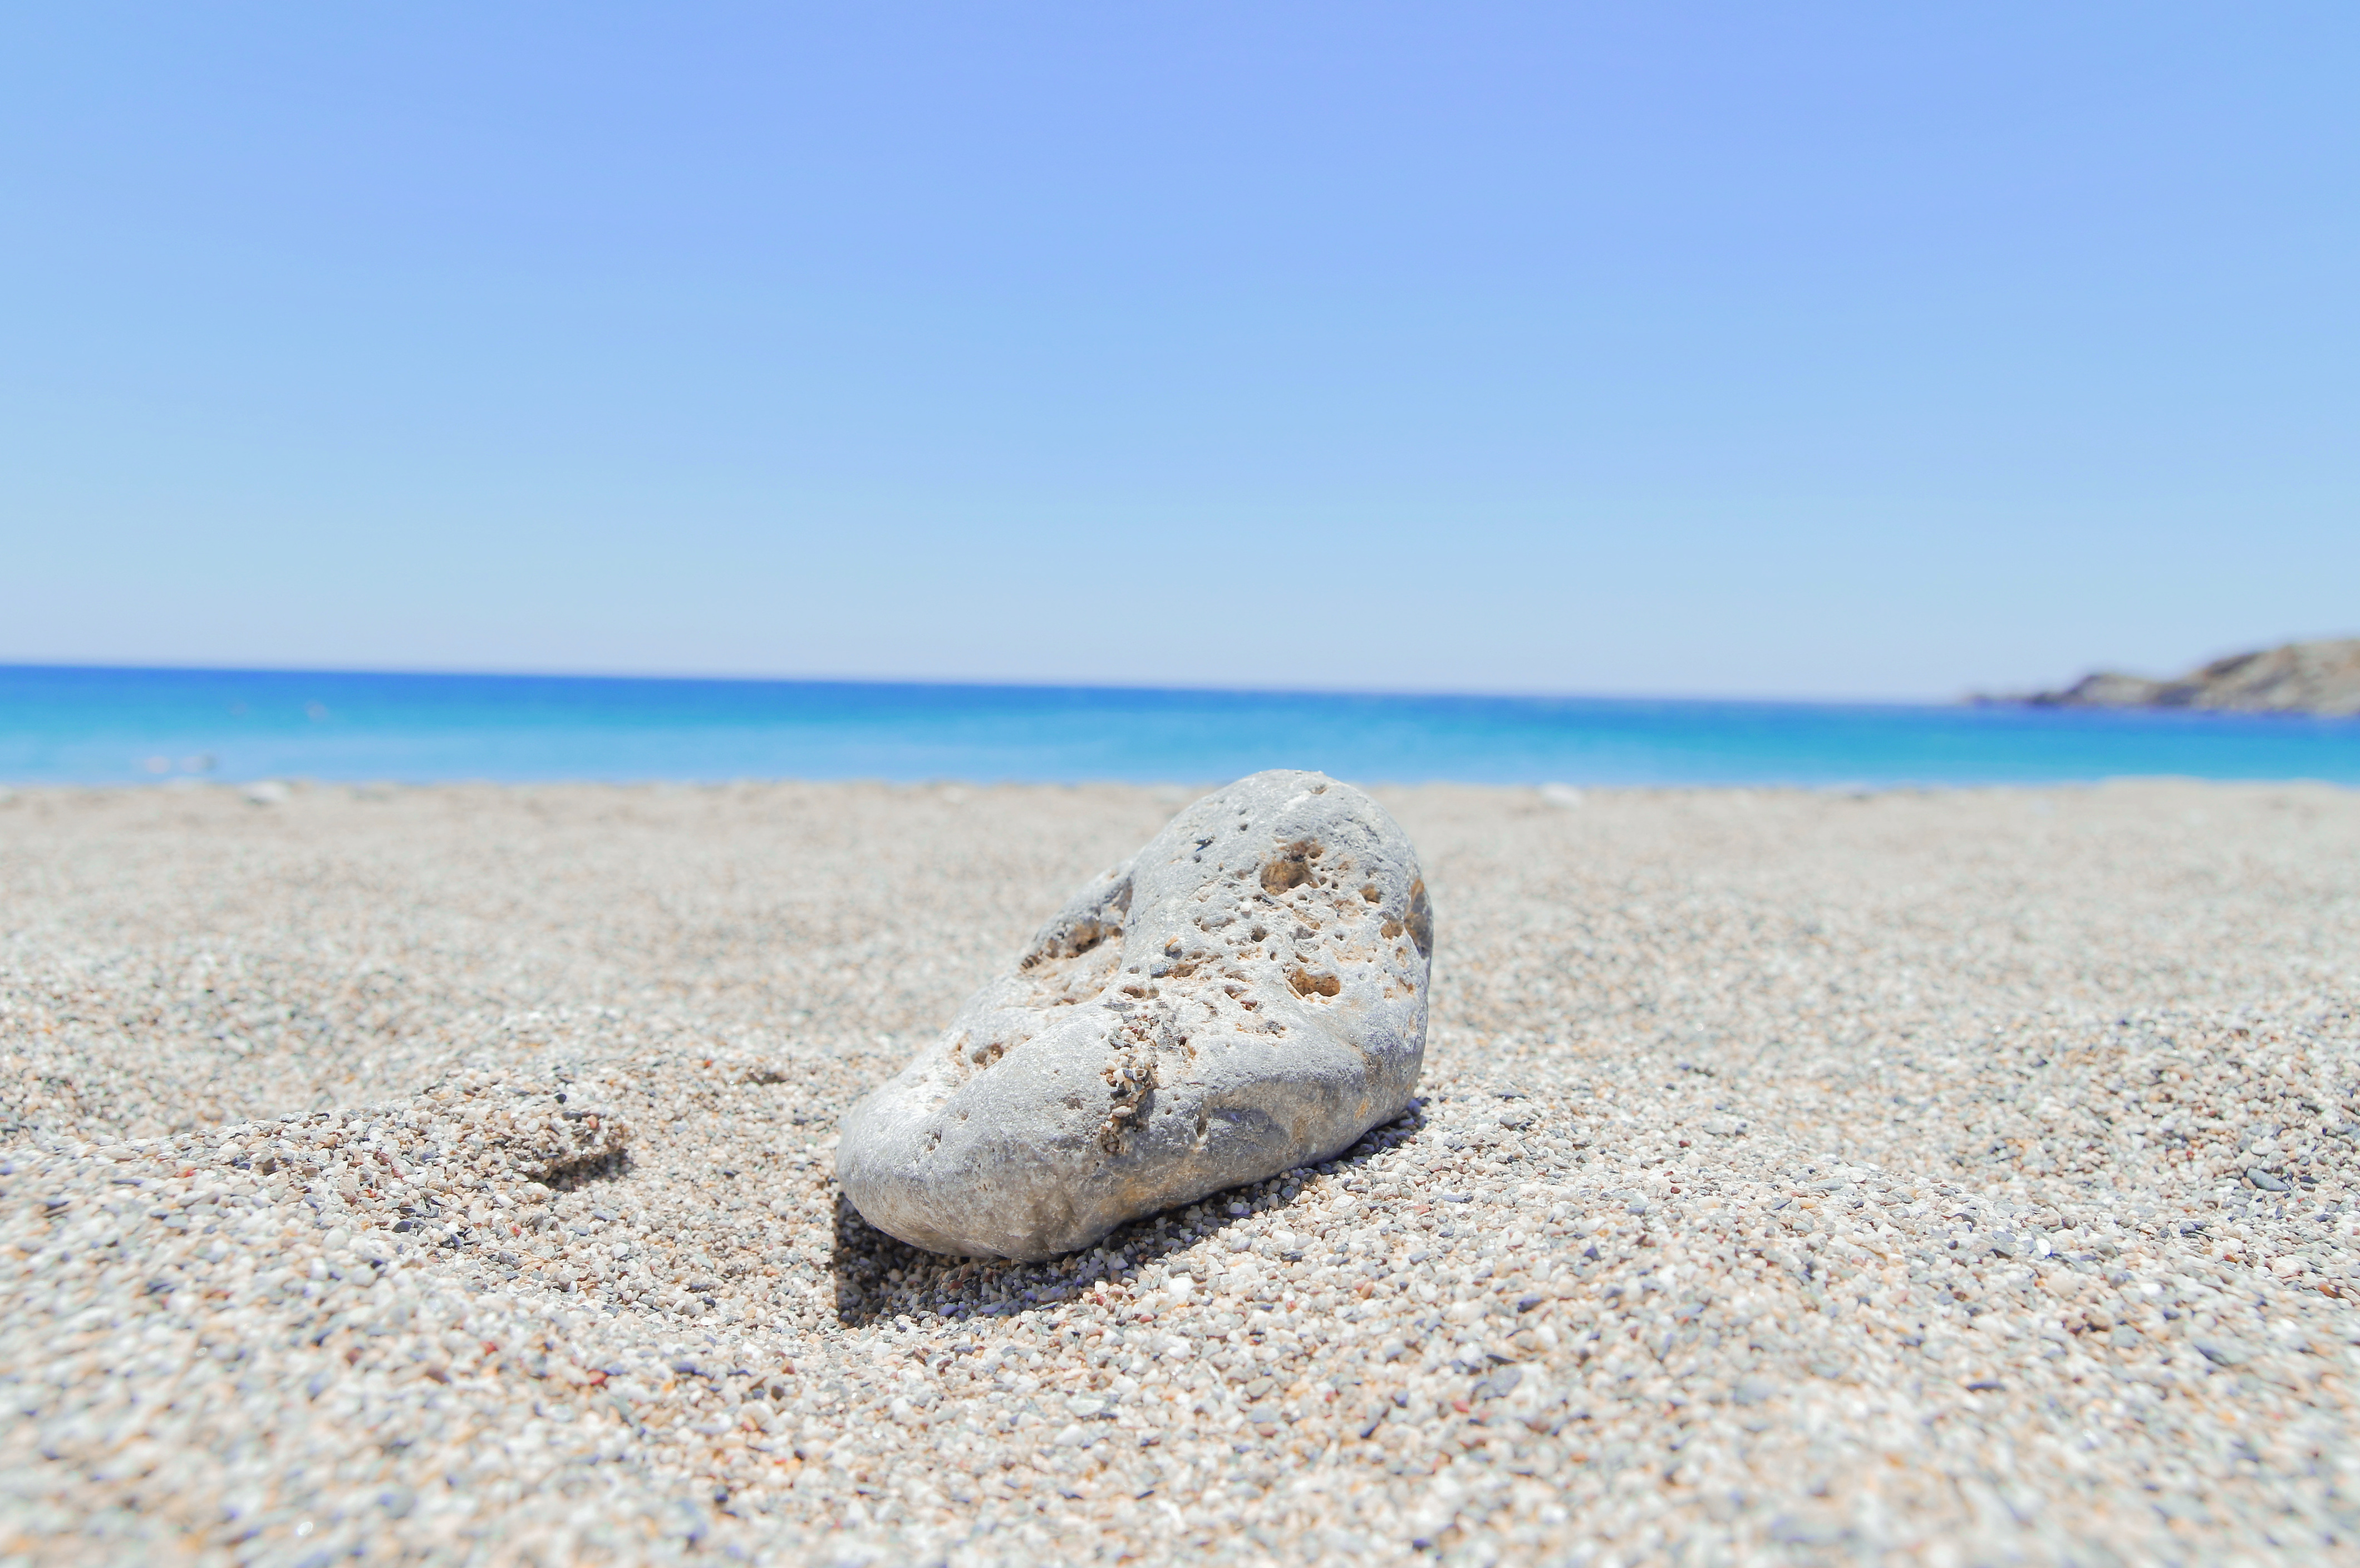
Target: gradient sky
(1799, 349)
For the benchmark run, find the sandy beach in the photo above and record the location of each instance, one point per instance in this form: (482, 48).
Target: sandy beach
(444, 1175)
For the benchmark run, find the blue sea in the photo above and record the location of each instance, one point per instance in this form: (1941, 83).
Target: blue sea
(63, 725)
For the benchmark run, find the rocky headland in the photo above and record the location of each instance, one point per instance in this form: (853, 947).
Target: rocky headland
(2299, 677)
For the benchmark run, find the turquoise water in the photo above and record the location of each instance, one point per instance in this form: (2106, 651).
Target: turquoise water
(64, 725)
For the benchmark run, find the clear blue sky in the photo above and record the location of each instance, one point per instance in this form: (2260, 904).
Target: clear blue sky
(1802, 349)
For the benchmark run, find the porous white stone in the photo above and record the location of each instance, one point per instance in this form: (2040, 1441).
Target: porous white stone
(1246, 995)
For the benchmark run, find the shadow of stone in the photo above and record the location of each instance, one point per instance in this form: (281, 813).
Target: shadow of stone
(575, 1175)
(879, 1278)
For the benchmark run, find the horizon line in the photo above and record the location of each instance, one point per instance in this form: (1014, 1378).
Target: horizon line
(1965, 698)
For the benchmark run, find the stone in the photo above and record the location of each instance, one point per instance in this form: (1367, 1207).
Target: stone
(1245, 996)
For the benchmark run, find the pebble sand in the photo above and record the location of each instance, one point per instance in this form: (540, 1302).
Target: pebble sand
(445, 1175)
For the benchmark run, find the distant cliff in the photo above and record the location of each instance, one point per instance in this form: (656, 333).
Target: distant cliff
(2300, 677)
